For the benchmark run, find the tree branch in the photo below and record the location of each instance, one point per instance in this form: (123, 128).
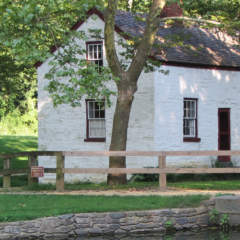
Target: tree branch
(109, 30)
(198, 20)
(147, 41)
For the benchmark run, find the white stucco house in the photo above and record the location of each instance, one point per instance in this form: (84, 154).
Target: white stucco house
(194, 107)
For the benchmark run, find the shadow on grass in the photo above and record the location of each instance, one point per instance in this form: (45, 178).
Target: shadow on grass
(13, 144)
(17, 181)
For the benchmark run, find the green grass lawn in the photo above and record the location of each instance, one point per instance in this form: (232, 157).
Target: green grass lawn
(24, 207)
(203, 185)
(95, 186)
(208, 185)
(13, 144)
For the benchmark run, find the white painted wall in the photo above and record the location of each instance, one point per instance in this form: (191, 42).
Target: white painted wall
(214, 89)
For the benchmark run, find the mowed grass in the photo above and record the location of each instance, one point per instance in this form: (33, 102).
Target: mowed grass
(14, 144)
(130, 186)
(208, 185)
(25, 207)
(136, 186)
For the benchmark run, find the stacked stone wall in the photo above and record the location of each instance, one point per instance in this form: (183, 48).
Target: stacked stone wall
(113, 223)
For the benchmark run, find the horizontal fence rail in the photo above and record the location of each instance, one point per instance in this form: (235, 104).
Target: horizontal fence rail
(122, 153)
(60, 169)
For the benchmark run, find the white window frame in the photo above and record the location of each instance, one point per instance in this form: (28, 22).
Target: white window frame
(95, 57)
(92, 118)
(190, 117)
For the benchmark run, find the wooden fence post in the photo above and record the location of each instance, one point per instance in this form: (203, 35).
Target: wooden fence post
(6, 177)
(162, 176)
(32, 161)
(60, 162)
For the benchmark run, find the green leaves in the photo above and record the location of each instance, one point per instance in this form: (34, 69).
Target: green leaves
(227, 12)
(71, 77)
(17, 83)
(30, 27)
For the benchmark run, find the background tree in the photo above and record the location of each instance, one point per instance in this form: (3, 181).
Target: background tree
(17, 93)
(28, 29)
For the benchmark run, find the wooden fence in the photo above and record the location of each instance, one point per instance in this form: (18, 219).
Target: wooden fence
(60, 170)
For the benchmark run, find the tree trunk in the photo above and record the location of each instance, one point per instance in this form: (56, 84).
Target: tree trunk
(127, 84)
(119, 135)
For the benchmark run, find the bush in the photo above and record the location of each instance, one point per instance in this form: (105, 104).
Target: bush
(144, 177)
(18, 123)
(189, 177)
(221, 164)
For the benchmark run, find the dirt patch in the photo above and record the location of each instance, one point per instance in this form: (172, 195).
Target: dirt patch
(134, 192)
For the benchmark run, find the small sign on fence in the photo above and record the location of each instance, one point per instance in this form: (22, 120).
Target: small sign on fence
(37, 172)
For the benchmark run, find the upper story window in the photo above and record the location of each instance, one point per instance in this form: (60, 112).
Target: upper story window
(190, 121)
(95, 53)
(95, 115)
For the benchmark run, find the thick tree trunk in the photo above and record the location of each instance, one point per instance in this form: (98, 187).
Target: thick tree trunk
(119, 134)
(127, 84)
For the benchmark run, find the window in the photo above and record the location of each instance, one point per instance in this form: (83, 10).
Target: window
(95, 53)
(190, 130)
(95, 113)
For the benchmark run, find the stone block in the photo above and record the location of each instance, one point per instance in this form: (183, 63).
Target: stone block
(117, 215)
(81, 232)
(234, 219)
(228, 204)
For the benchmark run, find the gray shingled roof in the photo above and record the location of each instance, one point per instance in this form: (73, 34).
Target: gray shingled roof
(205, 47)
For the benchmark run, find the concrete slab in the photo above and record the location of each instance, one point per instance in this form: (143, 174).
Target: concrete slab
(228, 204)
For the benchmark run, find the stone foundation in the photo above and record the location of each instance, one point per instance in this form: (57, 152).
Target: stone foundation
(113, 223)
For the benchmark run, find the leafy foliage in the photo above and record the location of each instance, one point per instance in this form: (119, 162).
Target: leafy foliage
(30, 27)
(28, 30)
(17, 123)
(17, 84)
(227, 12)
(138, 6)
(71, 76)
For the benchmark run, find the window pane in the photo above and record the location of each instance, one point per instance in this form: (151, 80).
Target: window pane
(186, 109)
(192, 109)
(91, 112)
(99, 51)
(97, 115)
(90, 51)
(189, 117)
(102, 113)
(192, 127)
(186, 131)
(189, 127)
(97, 128)
(95, 52)
(96, 119)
